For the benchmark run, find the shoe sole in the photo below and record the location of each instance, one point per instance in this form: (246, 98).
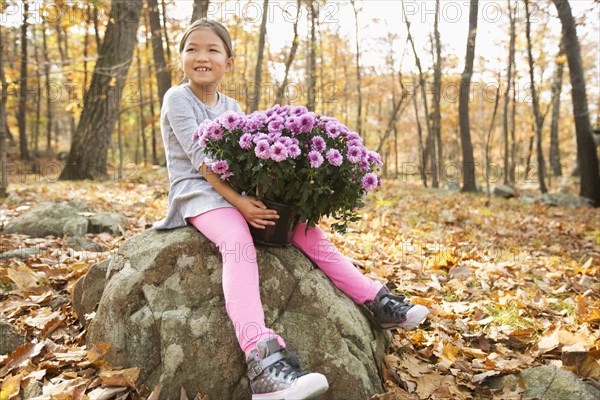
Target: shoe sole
(311, 386)
(415, 319)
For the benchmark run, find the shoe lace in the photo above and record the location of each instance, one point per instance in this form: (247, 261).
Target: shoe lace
(396, 305)
(288, 368)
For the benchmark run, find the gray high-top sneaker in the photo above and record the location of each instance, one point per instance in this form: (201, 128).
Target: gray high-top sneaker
(275, 374)
(391, 311)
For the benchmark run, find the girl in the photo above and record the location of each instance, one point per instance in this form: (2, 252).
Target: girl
(198, 197)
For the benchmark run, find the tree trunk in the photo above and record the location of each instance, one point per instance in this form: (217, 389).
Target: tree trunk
(96, 28)
(88, 156)
(488, 142)
(312, 58)
(430, 152)
(38, 94)
(85, 48)
(358, 76)
(536, 107)
(48, 97)
(201, 9)
(22, 110)
(3, 124)
(437, 92)
(165, 31)
(422, 162)
(513, 117)
(163, 77)
(290, 59)
(590, 180)
(556, 91)
(151, 95)
(468, 161)
(509, 72)
(141, 108)
(254, 104)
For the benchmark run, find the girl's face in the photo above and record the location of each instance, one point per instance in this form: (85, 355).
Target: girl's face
(204, 59)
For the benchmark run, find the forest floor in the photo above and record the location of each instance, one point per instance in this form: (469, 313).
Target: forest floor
(510, 285)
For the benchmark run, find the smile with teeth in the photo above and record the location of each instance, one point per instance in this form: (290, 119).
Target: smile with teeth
(202, 69)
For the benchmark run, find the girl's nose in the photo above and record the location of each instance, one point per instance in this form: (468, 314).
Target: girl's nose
(201, 56)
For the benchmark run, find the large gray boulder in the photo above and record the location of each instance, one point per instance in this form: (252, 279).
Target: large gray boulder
(548, 383)
(162, 310)
(65, 218)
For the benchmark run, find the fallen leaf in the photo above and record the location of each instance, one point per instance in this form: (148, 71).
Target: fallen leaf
(125, 377)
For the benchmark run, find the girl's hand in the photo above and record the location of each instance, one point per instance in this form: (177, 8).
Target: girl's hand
(255, 212)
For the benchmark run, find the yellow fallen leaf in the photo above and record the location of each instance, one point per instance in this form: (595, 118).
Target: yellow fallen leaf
(11, 387)
(125, 377)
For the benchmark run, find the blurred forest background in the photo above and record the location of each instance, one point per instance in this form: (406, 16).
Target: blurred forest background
(518, 119)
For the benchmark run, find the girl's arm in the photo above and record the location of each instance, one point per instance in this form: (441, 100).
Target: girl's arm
(253, 210)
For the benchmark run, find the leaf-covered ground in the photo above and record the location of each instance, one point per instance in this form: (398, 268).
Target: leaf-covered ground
(510, 285)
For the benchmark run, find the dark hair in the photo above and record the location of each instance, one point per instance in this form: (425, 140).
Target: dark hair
(214, 26)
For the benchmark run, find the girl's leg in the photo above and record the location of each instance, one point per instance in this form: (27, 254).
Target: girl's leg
(335, 265)
(228, 229)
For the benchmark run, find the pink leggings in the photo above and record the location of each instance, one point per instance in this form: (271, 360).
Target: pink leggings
(227, 228)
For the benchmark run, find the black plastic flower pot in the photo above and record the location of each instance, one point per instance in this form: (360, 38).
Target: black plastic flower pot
(280, 234)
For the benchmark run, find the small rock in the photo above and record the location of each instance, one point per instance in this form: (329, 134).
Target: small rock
(504, 191)
(79, 243)
(22, 253)
(564, 200)
(10, 338)
(548, 383)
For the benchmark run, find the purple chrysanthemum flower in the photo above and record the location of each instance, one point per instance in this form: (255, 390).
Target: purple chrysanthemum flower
(231, 120)
(215, 132)
(307, 122)
(260, 136)
(369, 181)
(293, 125)
(298, 110)
(278, 152)
(334, 157)
(364, 165)
(353, 135)
(219, 167)
(294, 151)
(374, 157)
(276, 126)
(317, 143)
(354, 142)
(273, 136)
(315, 158)
(263, 149)
(354, 154)
(246, 141)
(333, 129)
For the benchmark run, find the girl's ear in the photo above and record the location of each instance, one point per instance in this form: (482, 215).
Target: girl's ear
(229, 65)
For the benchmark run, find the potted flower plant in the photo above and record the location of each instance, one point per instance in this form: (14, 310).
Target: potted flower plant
(287, 155)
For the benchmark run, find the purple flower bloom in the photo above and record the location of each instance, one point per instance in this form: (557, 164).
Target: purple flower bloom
(317, 143)
(231, 120)
(215, 132)
(219, 167)
(294, 151)
(315, 158)
(298, 110)
(333, 129)
(307, 122)
(293, 125)
(354, 154)
(263, 149)
(369, 181)
(227, 175)
(374, 157)
(353, 135)
(354, 142)
(334, 157)
(260, 136)
(276, 125)
(273, 136)
(364, 165)
(278, 152)
(246, 141)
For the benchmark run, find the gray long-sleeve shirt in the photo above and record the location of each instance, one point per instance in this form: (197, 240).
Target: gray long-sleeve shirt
(189, 193)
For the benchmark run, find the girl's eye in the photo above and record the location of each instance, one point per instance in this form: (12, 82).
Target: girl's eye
(188, 50)
(215, 50)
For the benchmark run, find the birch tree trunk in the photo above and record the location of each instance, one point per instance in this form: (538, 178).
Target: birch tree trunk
(88, 156)
(590, 180)
(536, 107)
(468, 161)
